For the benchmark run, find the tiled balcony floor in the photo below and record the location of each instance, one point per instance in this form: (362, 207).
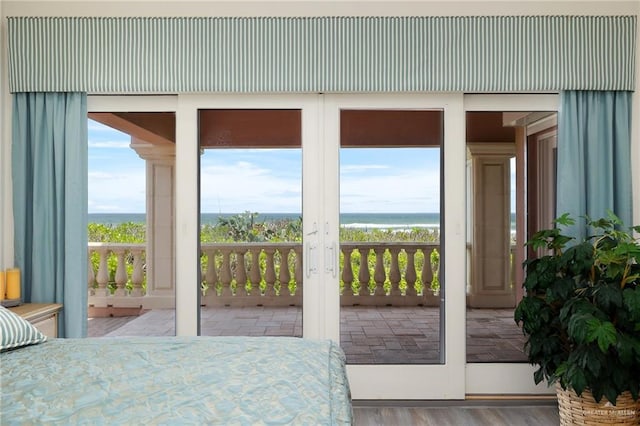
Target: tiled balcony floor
(370, 335)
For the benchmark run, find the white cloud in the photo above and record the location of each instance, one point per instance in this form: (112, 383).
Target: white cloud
(354, 168)
(109, 144)
(246, 186)
(404, 190)
(117, 191)
(100, 175)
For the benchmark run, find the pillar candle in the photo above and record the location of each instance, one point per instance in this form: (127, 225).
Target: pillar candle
(2, 288)
(13, 283)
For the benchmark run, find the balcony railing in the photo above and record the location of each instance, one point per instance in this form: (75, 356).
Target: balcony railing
(126, 279)
(271, 274)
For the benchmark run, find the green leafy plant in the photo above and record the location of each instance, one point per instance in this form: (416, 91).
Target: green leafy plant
(581, 310)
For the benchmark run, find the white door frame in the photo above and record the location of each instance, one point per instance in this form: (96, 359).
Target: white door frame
(441, 381)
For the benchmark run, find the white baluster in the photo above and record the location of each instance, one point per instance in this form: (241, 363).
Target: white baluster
(103, 272)
(410, 273)
(91, 276)
(364, 275)
(121, 272)
(347, 272)
(284, 275)
(394, 272)
(427, 274)
(270, 273)
(225, 272)
(211, 277)
(297, 272)
(241, 273)
(137, 276)
(255, 275)
(379, 275)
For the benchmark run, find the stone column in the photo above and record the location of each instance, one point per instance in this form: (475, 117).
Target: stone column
(160, 193)
(491, 285)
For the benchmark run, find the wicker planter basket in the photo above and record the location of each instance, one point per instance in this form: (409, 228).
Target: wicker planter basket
(584, 410)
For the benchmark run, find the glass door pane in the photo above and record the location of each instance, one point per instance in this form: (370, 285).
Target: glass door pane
(390, 222)
(510, 170)
(250, 222)
(131, 229)
(494, 140)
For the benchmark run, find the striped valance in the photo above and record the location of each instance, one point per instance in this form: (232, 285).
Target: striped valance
(327, 54)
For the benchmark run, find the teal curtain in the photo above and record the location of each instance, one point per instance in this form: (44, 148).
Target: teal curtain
(49, 171)
(594, 157)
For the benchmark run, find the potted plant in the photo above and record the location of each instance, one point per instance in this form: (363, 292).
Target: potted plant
(581, 316)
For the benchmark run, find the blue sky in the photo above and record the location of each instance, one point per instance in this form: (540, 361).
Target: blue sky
(267, 180)
(380, 181)
(116, 173)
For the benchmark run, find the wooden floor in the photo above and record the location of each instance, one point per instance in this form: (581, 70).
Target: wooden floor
(460, 414)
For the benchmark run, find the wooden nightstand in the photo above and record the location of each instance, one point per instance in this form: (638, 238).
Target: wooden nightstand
(42, 315)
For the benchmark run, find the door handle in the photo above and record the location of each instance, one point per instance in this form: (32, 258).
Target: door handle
(310, 261)
(330, 259)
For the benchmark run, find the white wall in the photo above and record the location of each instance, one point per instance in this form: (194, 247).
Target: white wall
(281, 8)
(315, 8)
(6, 226)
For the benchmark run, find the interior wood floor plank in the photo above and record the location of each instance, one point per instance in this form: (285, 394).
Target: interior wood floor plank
(457, 416)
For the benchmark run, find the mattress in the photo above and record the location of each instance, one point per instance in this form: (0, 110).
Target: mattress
(176, 380)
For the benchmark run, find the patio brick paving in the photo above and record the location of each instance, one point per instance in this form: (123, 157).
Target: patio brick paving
(369, 335)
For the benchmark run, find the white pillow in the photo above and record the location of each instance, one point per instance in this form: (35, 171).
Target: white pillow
(16, 332)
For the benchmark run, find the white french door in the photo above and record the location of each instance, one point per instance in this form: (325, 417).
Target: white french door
(320, 136)
(193, 111)
(447, 375)
(442, 377)
(504, 378)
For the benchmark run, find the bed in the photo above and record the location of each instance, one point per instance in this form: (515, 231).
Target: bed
(174, 380)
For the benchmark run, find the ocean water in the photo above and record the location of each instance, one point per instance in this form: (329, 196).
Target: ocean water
(363, 221)
(351, 220)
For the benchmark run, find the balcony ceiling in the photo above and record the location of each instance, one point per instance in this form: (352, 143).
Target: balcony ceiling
(282, 128)
(153, 127)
